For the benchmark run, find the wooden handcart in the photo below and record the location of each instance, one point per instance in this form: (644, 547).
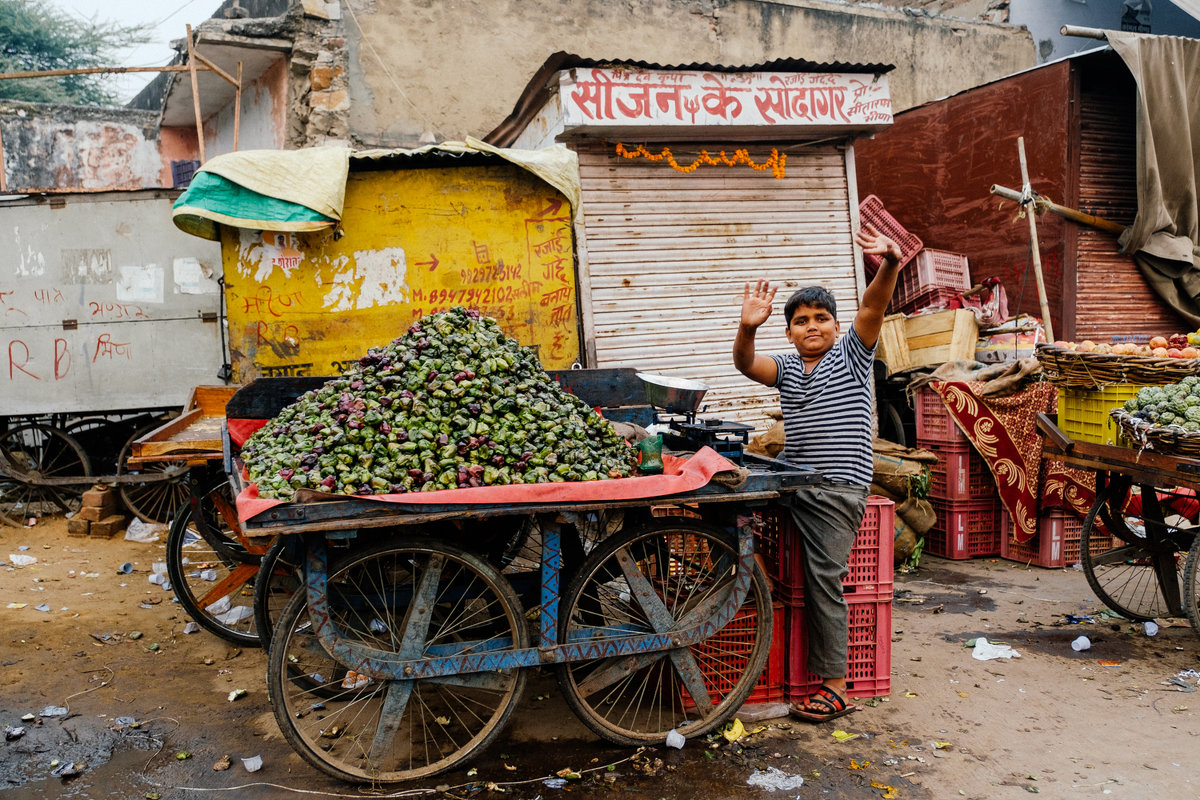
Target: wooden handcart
(1140, 547)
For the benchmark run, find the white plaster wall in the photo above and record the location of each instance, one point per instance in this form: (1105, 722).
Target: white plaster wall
(462, 65)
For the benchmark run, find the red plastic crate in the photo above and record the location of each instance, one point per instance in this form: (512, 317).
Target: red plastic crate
(868, 651)
(936, 297)
(933, 269)
(736, 639)
(960, 474)
(1056, 544)
(871, 558)
(935, 426)
(964, 529)
(871, 211)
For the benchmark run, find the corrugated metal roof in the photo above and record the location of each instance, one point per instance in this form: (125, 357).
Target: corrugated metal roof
(538, 89)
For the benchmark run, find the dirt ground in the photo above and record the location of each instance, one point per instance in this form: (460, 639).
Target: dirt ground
(1106, 721)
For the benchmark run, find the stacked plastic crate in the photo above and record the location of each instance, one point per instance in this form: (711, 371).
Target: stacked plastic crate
(963, 493)
(1054, 545)
(868, 591)
(932, 280)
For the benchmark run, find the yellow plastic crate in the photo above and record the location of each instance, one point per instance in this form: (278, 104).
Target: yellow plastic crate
(1083, 413)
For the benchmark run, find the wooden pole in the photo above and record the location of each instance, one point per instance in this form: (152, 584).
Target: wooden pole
(1086, 33)
(195, 94)
(58, 73)
(237, 107)
(1042, 204)
(1033, 242)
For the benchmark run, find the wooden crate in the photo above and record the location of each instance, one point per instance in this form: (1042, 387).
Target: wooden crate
(197, 431)
(927, 339)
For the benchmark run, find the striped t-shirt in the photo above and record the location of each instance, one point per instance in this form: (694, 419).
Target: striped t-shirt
(827, 412)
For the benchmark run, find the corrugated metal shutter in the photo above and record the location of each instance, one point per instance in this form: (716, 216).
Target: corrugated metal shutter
(668, 254)
(1112, 298)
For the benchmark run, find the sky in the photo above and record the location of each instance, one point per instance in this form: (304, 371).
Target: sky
(168, 20)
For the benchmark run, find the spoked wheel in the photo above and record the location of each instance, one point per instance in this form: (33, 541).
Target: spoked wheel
(1191, 584)
(667, 575)
(211, 569)
(39, 451)
(155, 500)
(279, 576)
(369, 730)
(1137, 566)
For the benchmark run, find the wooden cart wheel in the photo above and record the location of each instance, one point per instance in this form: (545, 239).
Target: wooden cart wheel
(153, 501)
(1191, 584)
(212, 570)
(38, 450)
(365, 730)
(1136, 568)
(636, 583)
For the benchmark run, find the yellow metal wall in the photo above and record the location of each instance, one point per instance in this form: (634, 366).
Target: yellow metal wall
(417, 241)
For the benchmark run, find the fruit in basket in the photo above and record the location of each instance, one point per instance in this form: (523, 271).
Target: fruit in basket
(452, 403)
(1158, 341)
(1177, 340)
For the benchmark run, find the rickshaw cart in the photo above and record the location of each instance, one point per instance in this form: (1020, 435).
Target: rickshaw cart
(409, 646)
(1139, 546)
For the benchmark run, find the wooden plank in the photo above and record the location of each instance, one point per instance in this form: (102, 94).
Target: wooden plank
(1144, 466)
(157, 441)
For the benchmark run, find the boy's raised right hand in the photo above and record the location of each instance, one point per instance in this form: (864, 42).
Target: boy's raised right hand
(756, 303)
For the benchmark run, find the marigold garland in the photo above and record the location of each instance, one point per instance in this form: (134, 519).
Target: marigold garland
(775, 162)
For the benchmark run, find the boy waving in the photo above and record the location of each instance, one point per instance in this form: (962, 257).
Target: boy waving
(825, 391)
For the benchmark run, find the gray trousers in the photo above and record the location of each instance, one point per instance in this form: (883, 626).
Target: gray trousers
(827, 517)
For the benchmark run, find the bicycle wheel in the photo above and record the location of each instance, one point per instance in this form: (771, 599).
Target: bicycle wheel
(1136, 566)
(38, 450)
(364, 730)
(279, 576)
(211, 570)
(155, 500)
(667, 575)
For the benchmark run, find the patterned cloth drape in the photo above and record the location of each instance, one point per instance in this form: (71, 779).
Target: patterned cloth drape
(1004, 432)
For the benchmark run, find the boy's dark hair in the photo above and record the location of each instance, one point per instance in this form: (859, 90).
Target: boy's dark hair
(813, 297)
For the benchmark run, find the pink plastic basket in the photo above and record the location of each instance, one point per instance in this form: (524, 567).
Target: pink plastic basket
(871, 211)
(964, 529)
(932, 269)
(935, 297)
(934, 424)
(868, 651)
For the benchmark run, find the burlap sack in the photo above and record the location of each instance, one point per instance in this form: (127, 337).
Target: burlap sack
(918, 514)
(770, 443)
(905, 541)
(896, 475)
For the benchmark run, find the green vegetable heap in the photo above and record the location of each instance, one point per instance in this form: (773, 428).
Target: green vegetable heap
(451, 404)
(1174, 404)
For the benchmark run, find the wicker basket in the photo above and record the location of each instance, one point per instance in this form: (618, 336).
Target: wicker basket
(1075, 370)
(1170, 439)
